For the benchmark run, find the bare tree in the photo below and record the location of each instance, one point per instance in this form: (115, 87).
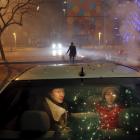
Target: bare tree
(12, 12)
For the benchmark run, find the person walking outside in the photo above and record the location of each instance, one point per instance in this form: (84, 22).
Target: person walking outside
(72, 52)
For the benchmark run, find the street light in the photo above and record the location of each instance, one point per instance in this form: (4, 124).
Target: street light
(99, 36)
(37, 8)
(15, 38)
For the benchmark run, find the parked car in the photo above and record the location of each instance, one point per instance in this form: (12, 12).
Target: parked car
(83, 85)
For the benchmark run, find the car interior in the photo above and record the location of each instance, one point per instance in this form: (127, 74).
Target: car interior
(20, 120)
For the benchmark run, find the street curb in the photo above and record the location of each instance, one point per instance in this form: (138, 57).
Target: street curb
(38, 62)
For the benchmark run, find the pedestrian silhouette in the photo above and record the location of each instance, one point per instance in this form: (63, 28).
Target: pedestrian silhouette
(72, 52)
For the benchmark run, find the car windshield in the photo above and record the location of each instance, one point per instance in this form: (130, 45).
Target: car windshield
(78, 90)
(82, 97)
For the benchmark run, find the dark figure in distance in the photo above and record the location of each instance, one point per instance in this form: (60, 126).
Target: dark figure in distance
(72, 52)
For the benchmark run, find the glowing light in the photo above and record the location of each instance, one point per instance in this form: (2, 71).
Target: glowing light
(60, 46)
(94, 133)
(65, 2)
(64, 10)
(88, 128)
(54, 53)
(53, 46)
(126, 91)
(114, 95)
(126, 115)
(127, 132)
(136, 129)
(59, 52)
(15, 38)
(17, 79)
(38, 8)
(14, 34)
(99, 36)
(83, 120)
(84, 103)
(75, 98)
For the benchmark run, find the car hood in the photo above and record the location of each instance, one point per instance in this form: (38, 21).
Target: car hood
(60, 71)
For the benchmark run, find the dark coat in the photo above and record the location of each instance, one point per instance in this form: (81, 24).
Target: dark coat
(39, 103)
(72, 50)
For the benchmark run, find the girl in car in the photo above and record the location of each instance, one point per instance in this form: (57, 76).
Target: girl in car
(109, 110)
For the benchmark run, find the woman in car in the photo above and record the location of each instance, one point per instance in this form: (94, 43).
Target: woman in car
(53, 104)
(109, 109)
(56, 108)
